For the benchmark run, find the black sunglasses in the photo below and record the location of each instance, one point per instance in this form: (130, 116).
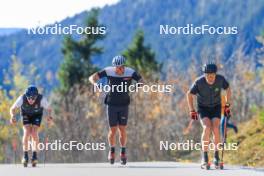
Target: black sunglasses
(32, 98)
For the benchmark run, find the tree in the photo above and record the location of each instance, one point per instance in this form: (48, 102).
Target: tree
(142, 58)
(77, 66)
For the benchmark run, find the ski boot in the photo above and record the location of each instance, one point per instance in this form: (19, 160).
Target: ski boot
(205, 164)
(216, 163)
(24, 162)
(25, 159)
(34, 160)
(216, 160)
(111, 157)
(221, 165)
(123, 158)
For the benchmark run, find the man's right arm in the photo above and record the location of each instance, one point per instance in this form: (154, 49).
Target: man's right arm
(190, 98)
(191, 95)
(94, 78)
(13, 108)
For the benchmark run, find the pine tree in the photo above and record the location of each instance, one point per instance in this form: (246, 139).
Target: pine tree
(142, 58)
(77, 66)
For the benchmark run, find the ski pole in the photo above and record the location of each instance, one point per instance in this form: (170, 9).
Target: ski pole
(46, 140)
(224, 135)
(14, 145)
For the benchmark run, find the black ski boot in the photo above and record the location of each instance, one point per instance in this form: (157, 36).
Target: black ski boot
(25, 159)
(123, 157)
(205, 164)
(221, 165)
(111, 155)
(34, 159)
(216, 160)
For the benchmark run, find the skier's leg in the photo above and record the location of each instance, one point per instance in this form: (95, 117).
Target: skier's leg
(122, 135)
(112, 136)
(26, 136)
(35, 138)
(25, 143)
(206, 124)
(112, 116)
(122, 140)
(35, 141)
(205, 140)
(216, 133)
(112, 143)
(122, 121)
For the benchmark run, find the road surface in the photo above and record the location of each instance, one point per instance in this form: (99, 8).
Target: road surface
(132, 169)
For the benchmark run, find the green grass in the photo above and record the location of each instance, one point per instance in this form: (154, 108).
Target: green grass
(251, 144)
(261, 117)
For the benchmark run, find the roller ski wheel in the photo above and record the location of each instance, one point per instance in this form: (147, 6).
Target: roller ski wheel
(111, 157)
(206, 166)
(221, 165)
(34, 162)
(123, 159)
(24, 162)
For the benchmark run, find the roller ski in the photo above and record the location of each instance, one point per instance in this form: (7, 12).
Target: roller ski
(206, 165)
(111, 156)
(34, 160)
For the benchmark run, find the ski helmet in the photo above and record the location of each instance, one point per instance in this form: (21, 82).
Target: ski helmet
(31, 91)
(118, 61)
(210, 68)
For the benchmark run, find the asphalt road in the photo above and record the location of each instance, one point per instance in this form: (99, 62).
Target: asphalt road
(131, 169)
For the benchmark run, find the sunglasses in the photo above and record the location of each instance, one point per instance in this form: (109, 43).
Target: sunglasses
(31, 98)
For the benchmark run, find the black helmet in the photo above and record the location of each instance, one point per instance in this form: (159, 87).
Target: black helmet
(210, 68)
(31, 91)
